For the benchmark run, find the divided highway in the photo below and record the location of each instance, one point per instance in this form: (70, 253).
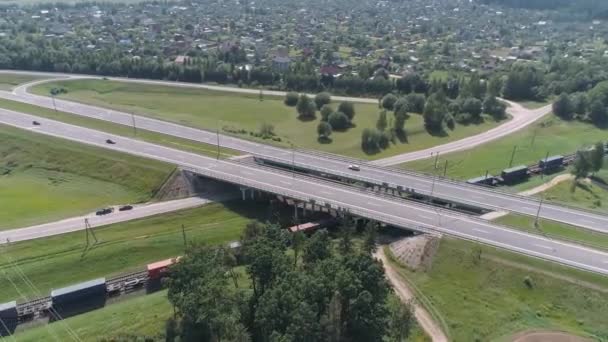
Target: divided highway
(366, 204)
(440, 188)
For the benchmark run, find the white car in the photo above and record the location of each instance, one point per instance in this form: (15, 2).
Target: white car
(354, 167)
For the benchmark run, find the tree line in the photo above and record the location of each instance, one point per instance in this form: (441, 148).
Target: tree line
(296, 289)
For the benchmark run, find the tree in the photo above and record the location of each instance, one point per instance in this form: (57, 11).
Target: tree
(562, 107)
(266, 130)
(494, 107)
(581, 166)
(317, 247)
(401, 320)
(402, 105)
(338, 121)
(382, 122)
(324, 130)
(326, 112)
(495, 86)
(399, 122)
(596, 157)
(348, 108)
(434, 113)
(598, 113)
(369, 240)
(198, 289)
(305, 107)
(579, 103)
(417, 102)
(370, 140)
(291, 99)
(522, 82)
(322, 99)
(473, 107)
(388, 101)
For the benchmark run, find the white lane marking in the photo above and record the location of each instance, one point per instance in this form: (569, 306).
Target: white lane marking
(425, 217)
(33, 128)
(374, 204)
(326, 192)
(247, 173)
(286, 182)
(543, 246)
(587, 221)
(481, 231)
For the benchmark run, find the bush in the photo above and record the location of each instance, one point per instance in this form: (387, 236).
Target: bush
(326, 112)
(338, 121)
(473, 107)
(266, 130)
(402, 105)
(322, 99)
(305, 107)
(324, 130)
(463, 118)
(348, 109)
(388, 101)
(417, 102)
(528, 282)
(291, 99)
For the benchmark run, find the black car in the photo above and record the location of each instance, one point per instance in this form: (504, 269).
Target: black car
(125, 208)
(110, 141)
(35, 123)
(104, 211)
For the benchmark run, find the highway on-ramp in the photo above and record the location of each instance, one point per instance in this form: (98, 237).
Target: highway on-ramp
(358, 202)
(438, 187)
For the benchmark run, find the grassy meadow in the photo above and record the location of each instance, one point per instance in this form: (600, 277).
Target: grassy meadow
(212, 109)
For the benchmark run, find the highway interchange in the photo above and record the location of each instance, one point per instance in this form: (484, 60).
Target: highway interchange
(362, 203)
(438, 187)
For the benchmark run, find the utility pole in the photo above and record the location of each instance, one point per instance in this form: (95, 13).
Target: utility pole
(538, 212)
(436, 160)
(89, 230)
(293, 160)
(184, 235)
(54, 105)
(217, 131)
(533, 137)
(445, 168)
(542, 174)
(134, 127)
(512, 155)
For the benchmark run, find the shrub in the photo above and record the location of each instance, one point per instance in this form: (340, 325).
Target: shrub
(305, 107)
(291, 99)
(322, 99)
(528, 282)
(326, 112)
(324, 130)
(348, 109)
(388, 101)
(338, 121)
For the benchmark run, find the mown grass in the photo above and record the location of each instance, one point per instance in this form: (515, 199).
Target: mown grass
(62, 260)
(583, 195)
(485, 298)
(556, 230)
(9, 81)
(106, 126)
(45, 178)
(551, 135)
(212, 109)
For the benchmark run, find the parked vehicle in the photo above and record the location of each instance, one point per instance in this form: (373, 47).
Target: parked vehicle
(125, 208)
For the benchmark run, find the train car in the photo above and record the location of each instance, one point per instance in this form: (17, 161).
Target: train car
(551, 163)
(9, 318)
(78, 298)
(514, 174)
(483, 180)
(156, 272)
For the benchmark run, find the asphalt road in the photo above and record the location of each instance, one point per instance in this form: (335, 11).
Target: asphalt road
(389, 210)
(77, 223)
(446, 189)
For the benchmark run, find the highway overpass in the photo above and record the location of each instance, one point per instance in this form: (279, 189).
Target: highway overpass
(393, 211)
(445, 189)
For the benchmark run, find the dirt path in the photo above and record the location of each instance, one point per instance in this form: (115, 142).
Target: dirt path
(430, 327)
(543, 187)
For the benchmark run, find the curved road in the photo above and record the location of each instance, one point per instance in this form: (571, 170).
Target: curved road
(521, 117)
(389, 210)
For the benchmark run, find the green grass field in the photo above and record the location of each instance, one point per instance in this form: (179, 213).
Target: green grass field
(556, 230)
(143, 316)
(212, 109)
(551, 135)
(486, 299)
(585, 195)
(62, 260)
(105, 126)
(44, 178)
(9, 81)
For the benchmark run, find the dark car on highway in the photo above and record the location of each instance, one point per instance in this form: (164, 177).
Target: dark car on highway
(104, 211)
(125, 208)
(110, 141)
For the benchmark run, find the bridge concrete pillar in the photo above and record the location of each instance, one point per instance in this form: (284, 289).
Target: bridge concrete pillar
(295, 211)
(244, 193)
